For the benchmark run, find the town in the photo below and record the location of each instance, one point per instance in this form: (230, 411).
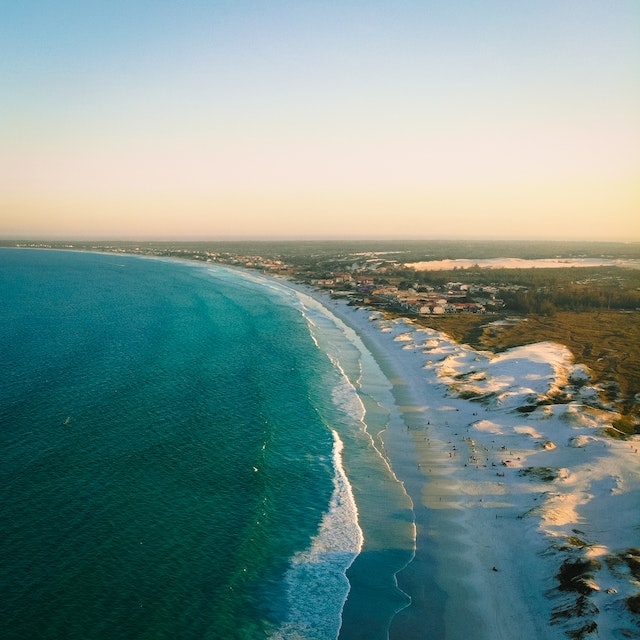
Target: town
(453, 297)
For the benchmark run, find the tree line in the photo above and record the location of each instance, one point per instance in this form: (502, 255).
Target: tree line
(547, 302)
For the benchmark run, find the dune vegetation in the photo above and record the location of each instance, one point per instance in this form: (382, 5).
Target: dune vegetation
(607, 342)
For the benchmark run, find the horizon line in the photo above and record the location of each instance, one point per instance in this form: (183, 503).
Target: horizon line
(308, 238)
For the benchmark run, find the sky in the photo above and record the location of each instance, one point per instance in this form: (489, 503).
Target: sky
(482, 119)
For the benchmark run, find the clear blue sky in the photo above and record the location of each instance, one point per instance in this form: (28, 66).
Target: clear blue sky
(324, 119)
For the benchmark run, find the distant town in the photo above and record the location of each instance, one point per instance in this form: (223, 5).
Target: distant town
(357, 284)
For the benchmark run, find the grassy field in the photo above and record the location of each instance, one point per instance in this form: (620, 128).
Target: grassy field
(607, 342)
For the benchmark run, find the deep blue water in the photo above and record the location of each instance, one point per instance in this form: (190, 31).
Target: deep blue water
(169, 464)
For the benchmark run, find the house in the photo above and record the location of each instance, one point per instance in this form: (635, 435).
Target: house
(323, 282)
(429, 309)
(464, 307)
(387, 290)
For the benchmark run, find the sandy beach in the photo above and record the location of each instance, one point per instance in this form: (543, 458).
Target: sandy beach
(525, 511)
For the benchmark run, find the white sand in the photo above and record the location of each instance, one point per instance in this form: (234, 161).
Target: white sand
(520, 263)
(504, 497)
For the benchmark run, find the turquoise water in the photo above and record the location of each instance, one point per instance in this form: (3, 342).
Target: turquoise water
(172, 463)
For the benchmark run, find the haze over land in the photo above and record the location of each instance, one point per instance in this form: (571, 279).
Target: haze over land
(245, 119)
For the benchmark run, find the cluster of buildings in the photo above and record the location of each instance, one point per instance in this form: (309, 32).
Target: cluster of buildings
(453, 298)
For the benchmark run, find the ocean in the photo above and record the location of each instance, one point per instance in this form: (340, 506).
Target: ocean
(189, 452)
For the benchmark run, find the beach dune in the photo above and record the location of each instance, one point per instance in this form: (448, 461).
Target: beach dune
(526, 511)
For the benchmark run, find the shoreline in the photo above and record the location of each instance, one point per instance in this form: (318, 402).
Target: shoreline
(526, 514)
(443, 533)
(384, 509)
(521, 539)
(499, 531)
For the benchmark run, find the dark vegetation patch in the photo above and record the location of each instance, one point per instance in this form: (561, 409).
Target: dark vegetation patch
(633, 604)
(579, 609)
(632, 558)
(627, 560)
(463, 376)
(527, 408)
(474, 396)
(574, 541)
(577, 575)
(583, 631)
(624, 426)
(576, 617)
(546, 474)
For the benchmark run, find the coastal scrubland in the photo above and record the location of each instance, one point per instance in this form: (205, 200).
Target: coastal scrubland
(608, 342)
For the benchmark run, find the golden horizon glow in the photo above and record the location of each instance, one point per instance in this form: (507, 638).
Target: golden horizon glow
(301, 122)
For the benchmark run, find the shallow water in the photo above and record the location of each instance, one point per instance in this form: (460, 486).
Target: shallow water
(172, 466)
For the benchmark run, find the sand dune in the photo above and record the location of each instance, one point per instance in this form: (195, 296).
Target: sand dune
(531, 508)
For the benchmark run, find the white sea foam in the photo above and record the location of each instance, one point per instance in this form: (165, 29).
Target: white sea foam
(316, 584)
(316, 581)
(350, 358)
